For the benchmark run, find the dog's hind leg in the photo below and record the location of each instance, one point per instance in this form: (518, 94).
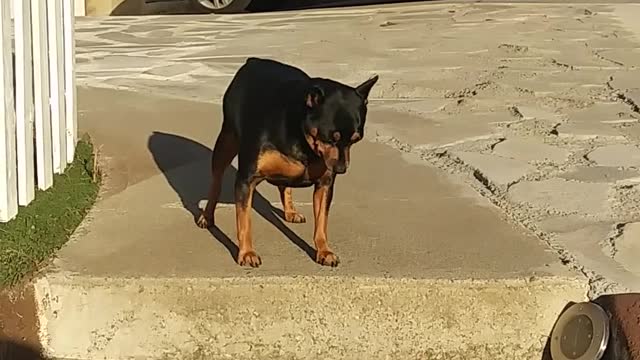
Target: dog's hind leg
(290, 213)
(225, 149)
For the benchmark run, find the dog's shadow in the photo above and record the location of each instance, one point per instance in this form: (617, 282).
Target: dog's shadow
(10, 349)
(172, 151)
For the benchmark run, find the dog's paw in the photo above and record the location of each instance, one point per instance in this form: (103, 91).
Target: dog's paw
(294, 217)
(204, 222)
(327, 258)
(249, 258)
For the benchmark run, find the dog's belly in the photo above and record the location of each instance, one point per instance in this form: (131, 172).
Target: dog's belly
(288, 182)
(279, 170)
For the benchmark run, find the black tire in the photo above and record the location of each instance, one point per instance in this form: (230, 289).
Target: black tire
(227, 6)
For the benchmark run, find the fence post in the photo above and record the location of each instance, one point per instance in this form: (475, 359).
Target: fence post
(80, 8)
(56, 78)
(8, 178)
(24, 101)
(68, 10)
(44, 147)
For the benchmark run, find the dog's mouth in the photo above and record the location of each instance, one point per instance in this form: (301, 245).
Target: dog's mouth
(336, 159)
(331, 155)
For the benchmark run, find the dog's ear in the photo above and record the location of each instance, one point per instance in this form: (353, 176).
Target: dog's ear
(314, 96)
(365, 88)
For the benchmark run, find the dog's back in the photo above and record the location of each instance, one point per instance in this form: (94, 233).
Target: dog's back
(259, 88)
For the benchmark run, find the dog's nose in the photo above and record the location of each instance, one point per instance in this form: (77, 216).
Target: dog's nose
(340, 169)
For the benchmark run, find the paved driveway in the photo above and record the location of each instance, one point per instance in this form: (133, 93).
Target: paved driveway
(531, 106)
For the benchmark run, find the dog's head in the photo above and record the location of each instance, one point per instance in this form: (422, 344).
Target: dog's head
(336, 114)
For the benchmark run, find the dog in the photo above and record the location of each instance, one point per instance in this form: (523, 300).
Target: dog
(291, 130)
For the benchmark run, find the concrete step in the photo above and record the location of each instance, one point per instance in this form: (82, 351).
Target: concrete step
(306, 317)
(429, 269)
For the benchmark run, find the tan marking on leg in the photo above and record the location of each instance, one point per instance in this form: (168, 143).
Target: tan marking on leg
(290, 213)
(247, 256)
(324, 255)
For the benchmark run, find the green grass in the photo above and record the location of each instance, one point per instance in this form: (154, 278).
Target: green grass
(45, 225)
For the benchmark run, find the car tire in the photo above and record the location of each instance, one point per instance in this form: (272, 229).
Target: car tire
(221, 6)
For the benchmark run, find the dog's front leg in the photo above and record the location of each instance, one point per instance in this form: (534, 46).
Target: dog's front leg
(244, 189)
(322, 196)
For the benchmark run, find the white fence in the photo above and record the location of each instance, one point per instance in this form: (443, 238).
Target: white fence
(38, 126)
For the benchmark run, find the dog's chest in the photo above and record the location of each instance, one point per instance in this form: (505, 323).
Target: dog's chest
(281, 170)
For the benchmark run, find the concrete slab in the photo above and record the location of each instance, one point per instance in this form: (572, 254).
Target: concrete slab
(412, 241)
(498, 170)
(620, 155)
(628, 247)
(585, 243)
(563, 196)
(530, 150)
(443, 129)
(295, 318)
(599, 174)
(597, 120)
(403, 222)
(582, 131)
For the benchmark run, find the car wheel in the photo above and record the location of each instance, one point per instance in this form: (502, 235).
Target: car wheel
(222, 6)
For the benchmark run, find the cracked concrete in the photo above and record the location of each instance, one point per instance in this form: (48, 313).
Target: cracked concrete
(560, 196)
(599, 174)
(139, 262)
(498, 170)
(530, 150)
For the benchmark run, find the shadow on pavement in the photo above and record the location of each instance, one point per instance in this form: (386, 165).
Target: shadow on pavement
(141, 7)
(11, 350)
(181, 7)
(292, 5)
(172, 151)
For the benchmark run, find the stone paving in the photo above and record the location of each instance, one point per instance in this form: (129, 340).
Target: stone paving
(534, 106)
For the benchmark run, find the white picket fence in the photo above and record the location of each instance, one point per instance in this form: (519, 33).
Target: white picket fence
(38, 126)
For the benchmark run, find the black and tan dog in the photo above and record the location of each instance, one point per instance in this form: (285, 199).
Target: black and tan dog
(292, 131)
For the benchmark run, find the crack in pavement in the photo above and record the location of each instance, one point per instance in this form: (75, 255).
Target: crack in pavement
(561, 64)
(493, 145)
(622, 97)
(597, 54)
(609, 244)
(515, 112)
